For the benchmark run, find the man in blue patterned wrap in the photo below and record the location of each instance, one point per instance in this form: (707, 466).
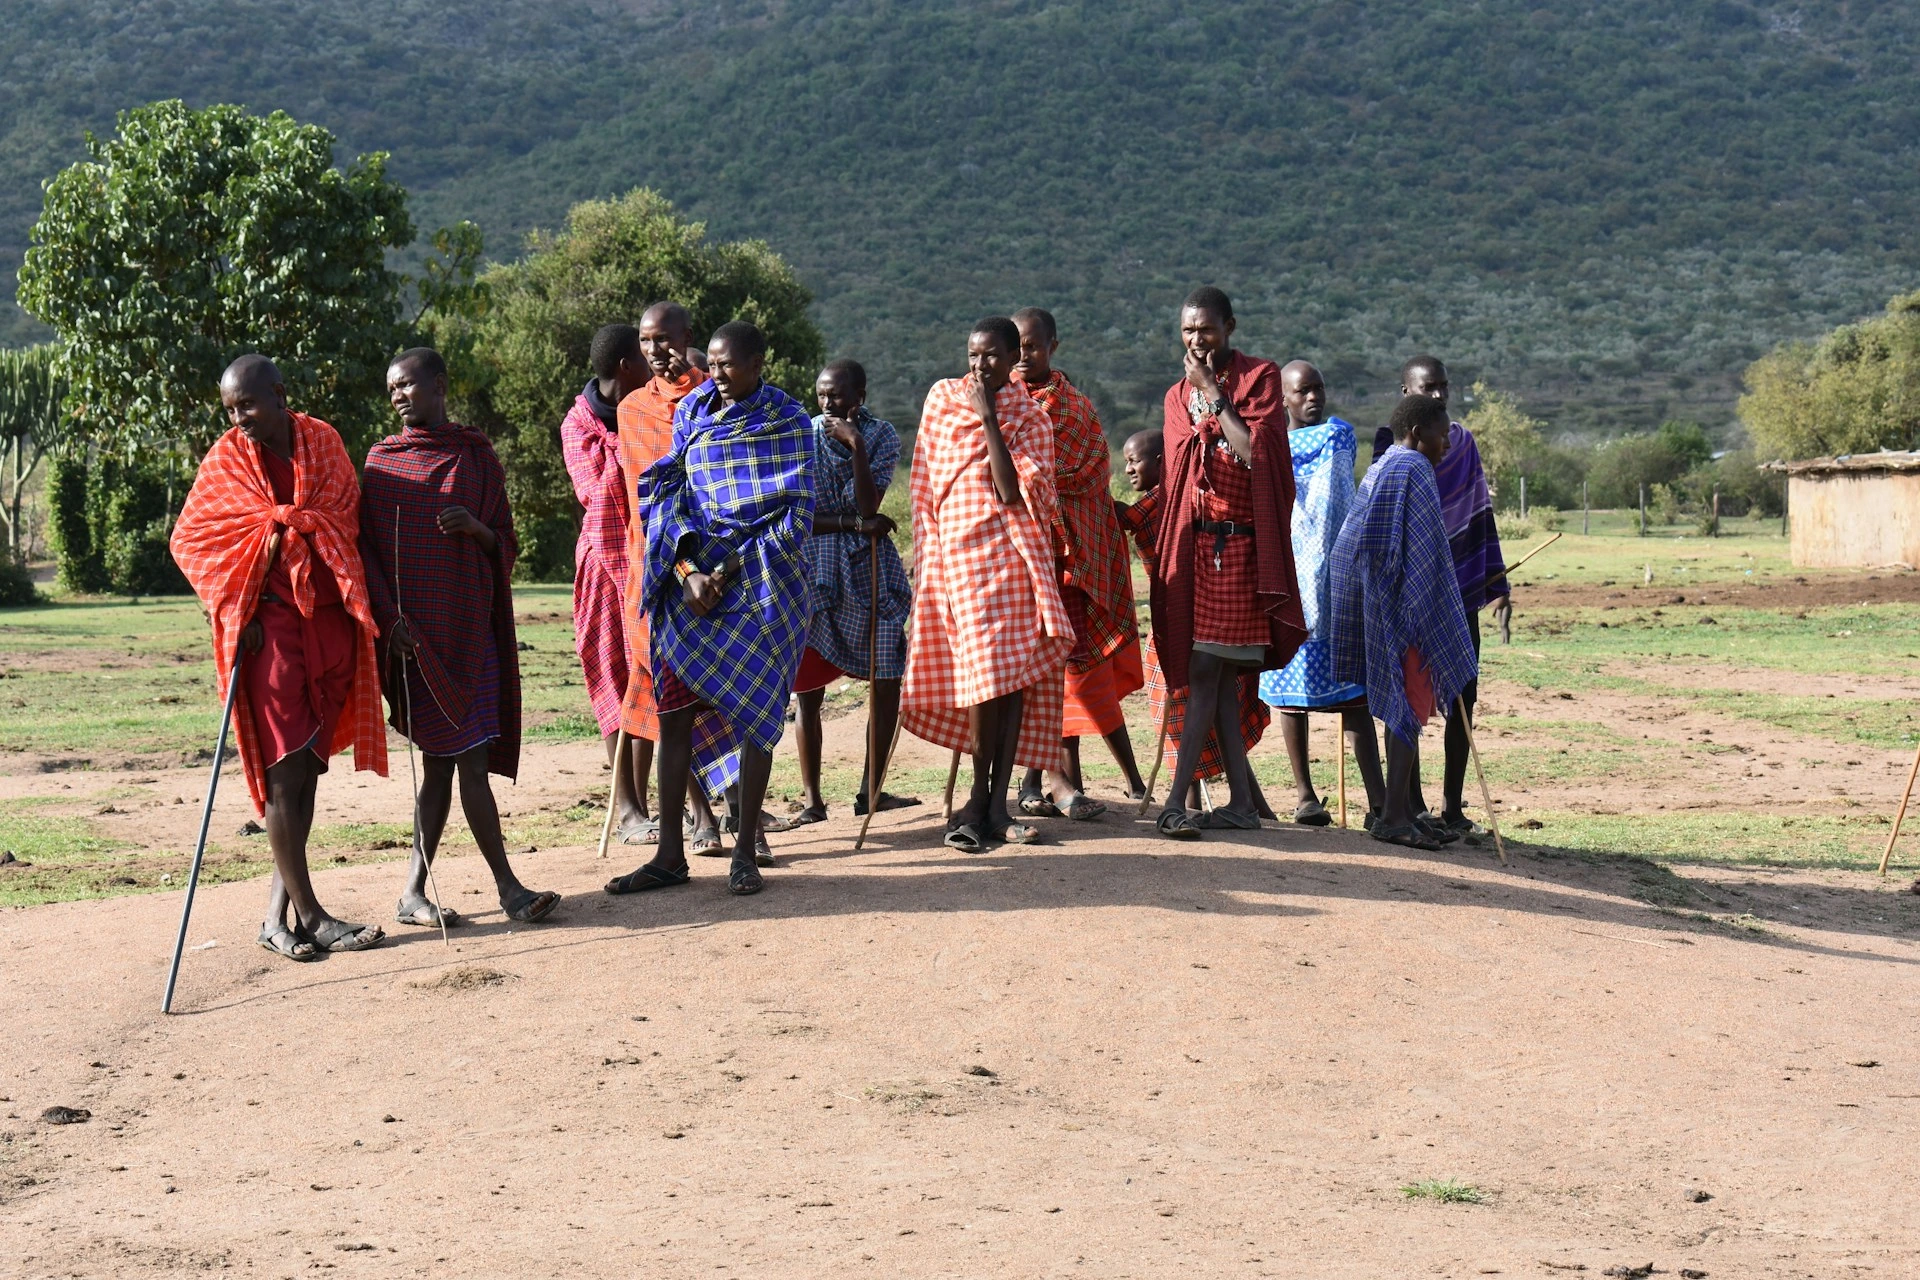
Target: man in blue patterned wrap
(1398, 625)
(728, 512)
(854, 459)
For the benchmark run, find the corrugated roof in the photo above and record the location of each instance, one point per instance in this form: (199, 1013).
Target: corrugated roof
(1850, 464)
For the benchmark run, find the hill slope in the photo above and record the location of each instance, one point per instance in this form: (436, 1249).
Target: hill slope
(1610, 211)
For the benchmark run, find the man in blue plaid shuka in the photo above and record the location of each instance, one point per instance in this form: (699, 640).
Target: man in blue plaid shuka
(728, 513)
(1398, 625)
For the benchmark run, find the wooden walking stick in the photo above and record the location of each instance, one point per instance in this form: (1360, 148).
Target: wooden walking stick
(1159, 753)
(206, 818)
(619, 763)
(406, 695)
(953, 774)
(1486, 796)
(885, 760)
(1887, 854)
(1340, 746)
(873, 671)
(1515, 565)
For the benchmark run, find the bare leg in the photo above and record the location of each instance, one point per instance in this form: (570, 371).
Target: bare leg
(289, 819)
(1366, 754)
(886, 714)
(1121, 745)
(628, 811)
(674, 757)
(1293, 732)
(1453, 778)
(639, 770)
(807, 747)
(998, 819)
(756, 764)
(1403, 764)
(1203, 697)
(1233, 748)
(1070, 748)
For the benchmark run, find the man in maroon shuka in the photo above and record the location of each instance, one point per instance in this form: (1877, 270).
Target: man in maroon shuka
(437, 540)
(1225, 596)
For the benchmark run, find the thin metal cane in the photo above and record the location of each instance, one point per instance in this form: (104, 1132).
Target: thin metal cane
(1886, 855)
(606, 827)
(885, 760)
(206, 818)
(1159, 752)
(1486, 796)
(406, 698)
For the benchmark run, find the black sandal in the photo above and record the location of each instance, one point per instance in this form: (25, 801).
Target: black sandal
(1407, 837)
(1177, 824)
(966, 838)
(536, 906)
(1035, 805)
(1085, 810)
(1313, 814)
(762, 851)
(294, 947)
(647, 876)
(744, 880)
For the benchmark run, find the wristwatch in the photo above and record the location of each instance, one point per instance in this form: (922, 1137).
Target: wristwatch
(1218, 407)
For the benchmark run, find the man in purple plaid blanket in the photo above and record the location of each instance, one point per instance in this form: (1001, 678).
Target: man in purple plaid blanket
(728, 512)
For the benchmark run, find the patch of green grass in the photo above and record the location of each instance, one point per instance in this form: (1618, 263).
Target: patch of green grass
(1444, 1190)
(47, 839)
(1740, 839)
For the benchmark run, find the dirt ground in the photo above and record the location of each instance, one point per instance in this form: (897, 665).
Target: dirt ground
(1106, 1056)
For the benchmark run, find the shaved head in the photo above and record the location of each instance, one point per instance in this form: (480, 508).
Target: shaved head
(1304, 394)
(252, 372)
(1150, 443)
(670, 316)
(255, 402)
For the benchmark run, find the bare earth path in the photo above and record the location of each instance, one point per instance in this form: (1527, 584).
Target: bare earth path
(1107, 1058)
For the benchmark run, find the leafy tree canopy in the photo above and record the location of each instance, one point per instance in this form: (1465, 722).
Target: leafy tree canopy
(1853, 391)
(193, 236)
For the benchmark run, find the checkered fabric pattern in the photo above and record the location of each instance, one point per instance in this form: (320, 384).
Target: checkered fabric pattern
(738, 481)
(842, 575)
(220, 543)
(459, 599)
(988, 619)
(646, 433)
(1084, 523)
(589, 446)
(1394, 587)
(1255, 716)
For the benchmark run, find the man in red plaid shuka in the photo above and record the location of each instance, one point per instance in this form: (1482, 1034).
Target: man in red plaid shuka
(1225, 595)
(990, 637)
(1095, 580)
(436, 536)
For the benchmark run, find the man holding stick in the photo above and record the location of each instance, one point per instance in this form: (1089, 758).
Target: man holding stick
(267, 540)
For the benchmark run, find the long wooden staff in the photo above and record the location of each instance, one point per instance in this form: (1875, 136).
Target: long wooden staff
(1159, 752)
(885, 760)
(1886, 855)
(406, 695)
(619, 763)
(1516, 564)
(873, 672)
(1486, 796)
(1340, 746)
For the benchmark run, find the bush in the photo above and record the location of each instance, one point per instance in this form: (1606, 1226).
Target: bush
(1663, 504)
(1544, 518)
(110, 519)
(16, 584)
(1512, 528)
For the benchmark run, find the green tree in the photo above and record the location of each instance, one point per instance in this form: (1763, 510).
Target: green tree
(1508, 440)
(193, 236)
(1856, 390)
(30, 420)
(530, 342)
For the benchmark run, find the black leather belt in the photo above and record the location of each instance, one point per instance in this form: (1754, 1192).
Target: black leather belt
(1221, 531)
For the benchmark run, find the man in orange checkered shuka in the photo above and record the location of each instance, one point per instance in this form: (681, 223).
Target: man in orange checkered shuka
(987, 656)
(269, 540)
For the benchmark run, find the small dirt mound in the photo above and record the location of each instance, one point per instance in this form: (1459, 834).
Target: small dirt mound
(466, 977)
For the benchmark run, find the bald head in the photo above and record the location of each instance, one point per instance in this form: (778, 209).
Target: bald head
(1142, 456)
(255, 401)
(1424, 376)
(1304, 393)
(665, 330)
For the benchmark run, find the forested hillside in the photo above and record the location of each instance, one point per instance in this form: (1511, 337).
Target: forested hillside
(1608, 209)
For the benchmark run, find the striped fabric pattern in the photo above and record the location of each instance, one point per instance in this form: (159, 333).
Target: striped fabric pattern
(988, 619)
(221, 541)
(737, 481)
(1466, 509)
(841, 573)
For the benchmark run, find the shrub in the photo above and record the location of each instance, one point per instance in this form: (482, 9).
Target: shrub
(16, 584)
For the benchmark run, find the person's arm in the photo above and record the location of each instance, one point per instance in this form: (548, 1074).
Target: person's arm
(1006, 481)
(1239, 438)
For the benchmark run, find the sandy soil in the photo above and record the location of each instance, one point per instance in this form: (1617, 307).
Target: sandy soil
(1810, 592)
(1108, 1056)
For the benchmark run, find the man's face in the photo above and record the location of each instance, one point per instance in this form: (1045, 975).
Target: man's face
(1205, 334)
(1143, 464)
(1304, 393)
(1426, 382)
(736, 376)
(1035, 364)
(418, 397)
(257, 407)
(837, 395)
(660, 342)
(989, 360)
(1431, 441)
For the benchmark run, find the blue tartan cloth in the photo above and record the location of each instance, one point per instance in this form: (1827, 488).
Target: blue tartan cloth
(841, 574)
(1394, 586)
(738, 480)
(1323, 457)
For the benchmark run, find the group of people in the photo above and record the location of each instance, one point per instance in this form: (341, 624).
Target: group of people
(732, 559)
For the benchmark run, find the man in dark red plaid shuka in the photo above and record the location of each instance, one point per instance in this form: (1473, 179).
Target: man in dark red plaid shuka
(437, 540)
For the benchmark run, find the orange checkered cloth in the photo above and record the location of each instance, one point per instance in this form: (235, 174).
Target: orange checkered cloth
(646, 433)
(1094, 549)
(987, 617)
(220, 543)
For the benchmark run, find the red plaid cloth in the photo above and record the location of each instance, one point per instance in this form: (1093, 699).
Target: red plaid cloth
(1092, 703)
(220, 543)
(1142, 520)
(987, 618)
(1255, 716)
(646, 433)
(1095, 551)
(1253, 388)
(591, 452)
(459, 599)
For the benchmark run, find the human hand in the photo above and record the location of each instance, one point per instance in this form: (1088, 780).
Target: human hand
(457, 521)
(979, 397)
(841, 429)
(1200, 375)
(252, 636)
(402, 635)
(1503, 610)
(701, 592)
(877, 524)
